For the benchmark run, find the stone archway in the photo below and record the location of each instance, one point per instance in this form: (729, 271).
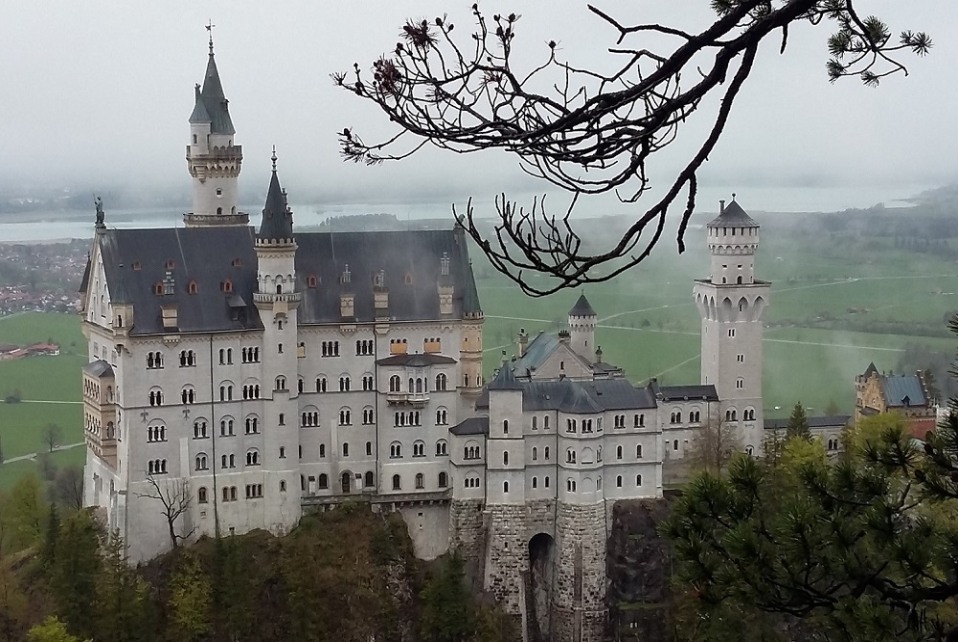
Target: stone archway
(346, 482)
(542, 560)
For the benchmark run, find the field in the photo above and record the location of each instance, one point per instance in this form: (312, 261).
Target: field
(49, 388)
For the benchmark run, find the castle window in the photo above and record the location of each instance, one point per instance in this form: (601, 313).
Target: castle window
(407, 279)
(546, 453)
(201, 462)
(535, 482)
(323, 482)
(169, 264)
(675, 444)
(199, 429)
(638, 480)
(618, 452)
(156, 397)
(570, 456)
(311, 281)
(154, 360)
(345, 417)
(201, 496)
(395, 450)
(535, 422)
(226, 427)
(618, 481)
(419, 449)
(237, 262)
(441, 448)
(570, 485)
(545, 422)
(505, 487)
(300, 385)
(282, 485)
(740, 383)
(368, 480)
(280, 383)
(192, 288)
(505, 458)
(505, 426)
(322, 451)
(252, 425)
(420, 481)
(282, 452)
(441, 417)
(321, 384)
(535, 453)
(226, 286)
(219, 191)
(344, 384)
(345, 449)
(219, 211)
(443, 480)
(546, 481)
(638, 450)
(397, 482)
(394, 383)
(187, 395)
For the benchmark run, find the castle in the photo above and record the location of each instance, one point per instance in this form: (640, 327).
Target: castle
(238, 377)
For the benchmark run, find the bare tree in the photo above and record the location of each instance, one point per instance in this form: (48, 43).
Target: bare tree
(52, 433)
(589, 131)
(67, 487)
(713, 447)
(175, 498)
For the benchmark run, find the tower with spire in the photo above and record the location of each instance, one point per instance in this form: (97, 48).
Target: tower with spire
(732, 304)
(582, 321)
(214, 161)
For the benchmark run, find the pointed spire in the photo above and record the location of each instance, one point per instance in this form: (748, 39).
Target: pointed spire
(277, 218)
(582, 308)
(214, 100)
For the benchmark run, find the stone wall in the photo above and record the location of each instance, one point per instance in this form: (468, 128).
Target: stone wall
(638, 568)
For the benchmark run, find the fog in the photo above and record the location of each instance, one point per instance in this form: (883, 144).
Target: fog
(98, 94)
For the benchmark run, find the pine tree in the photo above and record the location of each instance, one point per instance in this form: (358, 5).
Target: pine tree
(74, 573)
(190, 599)
(798, 423)
(122, 599)
(48, 552)
(447, 615)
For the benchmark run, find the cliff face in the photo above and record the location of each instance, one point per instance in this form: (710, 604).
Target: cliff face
(638, 568)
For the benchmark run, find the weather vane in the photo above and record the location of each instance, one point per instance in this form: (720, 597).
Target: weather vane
(273, 158)
(209, 27)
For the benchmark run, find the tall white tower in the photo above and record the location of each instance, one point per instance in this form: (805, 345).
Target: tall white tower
(214, 161)
(277, 301)
(732, 304)
(582, 321)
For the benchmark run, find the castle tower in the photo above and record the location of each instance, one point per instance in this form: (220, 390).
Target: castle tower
(277, 301)
(214, 161)
(732, 303)
(582, 321)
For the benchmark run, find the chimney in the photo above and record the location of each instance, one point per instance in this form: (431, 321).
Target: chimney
(722, 206)
(563, 336)
(523, 341)
(598, 354)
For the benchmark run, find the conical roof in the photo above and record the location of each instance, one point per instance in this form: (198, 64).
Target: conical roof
(214, 100)
(199, 115)
(505, 379)
(582, 308)
(277, 218)
(733, 216)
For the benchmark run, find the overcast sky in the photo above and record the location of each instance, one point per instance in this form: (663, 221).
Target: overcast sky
(100, 92)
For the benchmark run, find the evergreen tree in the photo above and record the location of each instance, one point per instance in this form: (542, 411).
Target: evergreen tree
(122, 598)
(798, 423)
(860, 550)
(447, 614)
(51, 630)
(74, 573)
(48, 553)
(189, 601)
(26, 508)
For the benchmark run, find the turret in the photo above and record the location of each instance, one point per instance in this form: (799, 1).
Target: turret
(276, 247)
(732, 241)
(214, 161)
(582, 321)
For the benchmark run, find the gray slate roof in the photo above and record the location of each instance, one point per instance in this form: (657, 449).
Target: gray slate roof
(581, 397)
(903, 390)
(415, 360)
(536, 352)
(505, 379)
(277, 221)
(98, 369)
(832, 421)
(582, 308)
(214, 102)
(687, 393)
(733, 216)
(209, 256)
(471, 426)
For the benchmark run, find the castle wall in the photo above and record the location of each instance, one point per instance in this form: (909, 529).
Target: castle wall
(428, 528)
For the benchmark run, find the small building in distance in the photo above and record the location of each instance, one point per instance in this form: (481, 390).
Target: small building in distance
(877, 392)
(827, 429)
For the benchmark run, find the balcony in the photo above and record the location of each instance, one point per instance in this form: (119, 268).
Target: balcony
(269, 297)
(414, 399)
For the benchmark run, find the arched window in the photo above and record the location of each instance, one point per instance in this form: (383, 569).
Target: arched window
(419, 449)
(397, 482)
(394, 383)
(505, 426)
(443, 480)
(441, 448)
(202, 462)
(505, 487)
(505, 458)
(638, 451)
(368, 481)
(201, 496)
(638, 480)
(440, 382)
(323, 482)
(535, 482)
(618, 481)
(618, 452)
(535, 453)
(395, 450)
(420, 481)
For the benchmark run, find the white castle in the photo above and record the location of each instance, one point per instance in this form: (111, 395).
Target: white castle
(245, 376)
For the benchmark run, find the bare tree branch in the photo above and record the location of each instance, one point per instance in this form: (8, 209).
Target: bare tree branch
(175, 499)
(584, 130)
